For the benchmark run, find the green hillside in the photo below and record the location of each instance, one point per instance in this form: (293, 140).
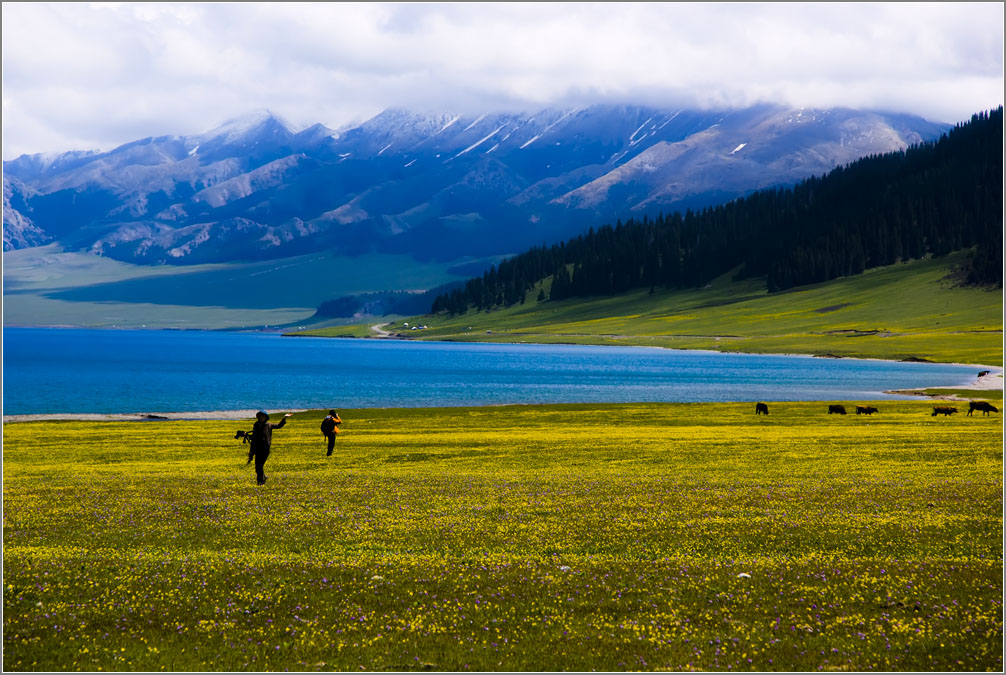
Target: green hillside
(910, 310)
(931, 199)
(831, 250)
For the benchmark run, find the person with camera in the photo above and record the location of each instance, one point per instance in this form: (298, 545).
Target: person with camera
(330, 427)
(261, 441)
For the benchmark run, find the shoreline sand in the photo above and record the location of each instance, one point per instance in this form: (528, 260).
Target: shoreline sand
(991, 382)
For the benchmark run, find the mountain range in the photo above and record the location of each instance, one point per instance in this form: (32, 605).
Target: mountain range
(430, 186)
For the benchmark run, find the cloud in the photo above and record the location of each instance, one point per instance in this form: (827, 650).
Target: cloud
(97, 75)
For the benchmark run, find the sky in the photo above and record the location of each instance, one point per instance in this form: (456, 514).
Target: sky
(94, 76)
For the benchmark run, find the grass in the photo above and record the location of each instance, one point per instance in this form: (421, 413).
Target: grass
(48, 286)
(903, 311)
(29, 309)
(510, 538)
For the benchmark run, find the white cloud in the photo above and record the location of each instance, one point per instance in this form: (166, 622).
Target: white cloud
(94, 76)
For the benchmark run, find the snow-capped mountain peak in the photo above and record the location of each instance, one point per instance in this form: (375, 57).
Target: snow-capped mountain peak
(425, 183)
(242, 125)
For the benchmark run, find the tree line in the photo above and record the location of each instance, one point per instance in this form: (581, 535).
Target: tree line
(931, 198)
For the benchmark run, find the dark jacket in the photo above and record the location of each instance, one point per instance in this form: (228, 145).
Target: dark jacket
(262, 434)
(329, 423)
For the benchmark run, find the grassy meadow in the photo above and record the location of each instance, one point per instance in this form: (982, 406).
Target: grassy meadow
(614, 537)
(912, 310)
(46, 285)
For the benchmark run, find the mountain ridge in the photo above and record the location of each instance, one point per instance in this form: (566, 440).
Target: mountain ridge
(930, 199)
(437, 185)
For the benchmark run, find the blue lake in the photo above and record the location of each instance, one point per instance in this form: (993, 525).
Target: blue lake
(118, 371)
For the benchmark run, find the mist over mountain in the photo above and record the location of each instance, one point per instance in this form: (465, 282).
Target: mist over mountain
(432, 186)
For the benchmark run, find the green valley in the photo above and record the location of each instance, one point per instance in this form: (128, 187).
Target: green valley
(47, 286)
(903, 311)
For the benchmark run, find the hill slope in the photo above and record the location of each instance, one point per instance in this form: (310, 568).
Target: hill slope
(934, 198)
(907, 310)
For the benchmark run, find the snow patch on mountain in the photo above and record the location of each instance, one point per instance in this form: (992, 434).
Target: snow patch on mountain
(479, 142)
(633, 136)
(477, 120)
(452, 121)
(529, 142)
(234, 129)
(651, 160)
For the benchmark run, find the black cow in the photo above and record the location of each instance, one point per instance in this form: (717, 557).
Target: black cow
(865, 410)
(984, 406)
(836, 409)
(943, 410)
(761, 409)
(983, 373)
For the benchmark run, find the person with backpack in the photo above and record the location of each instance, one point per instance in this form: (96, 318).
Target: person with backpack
(261, 442)
(329, 428)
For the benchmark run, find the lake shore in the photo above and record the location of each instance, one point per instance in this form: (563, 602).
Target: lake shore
(989, 383)
(209, 415)
(204, 376)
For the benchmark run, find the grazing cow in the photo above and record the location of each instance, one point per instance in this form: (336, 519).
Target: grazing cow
(943, 410)
(984, 406)
(865, 410)
(836, 409)
(983, 373)
(761, 409)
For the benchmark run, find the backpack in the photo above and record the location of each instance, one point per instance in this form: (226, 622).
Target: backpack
(327, 426)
